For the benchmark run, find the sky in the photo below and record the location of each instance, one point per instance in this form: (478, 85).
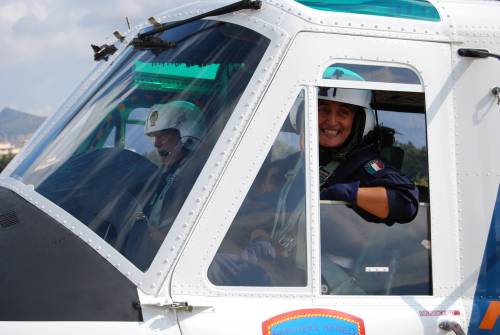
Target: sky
(45, 45)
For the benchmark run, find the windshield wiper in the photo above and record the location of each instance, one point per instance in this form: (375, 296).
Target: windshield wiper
(152, 43)
(147, 41)
(156, 44)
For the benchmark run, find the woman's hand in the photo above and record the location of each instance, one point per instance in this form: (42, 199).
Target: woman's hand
(371, 199)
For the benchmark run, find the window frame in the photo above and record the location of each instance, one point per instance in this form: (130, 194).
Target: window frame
(314, 157)
(188, 277)
(307, 189)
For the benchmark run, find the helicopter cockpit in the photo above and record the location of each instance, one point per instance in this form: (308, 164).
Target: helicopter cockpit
(180, 189)
(101, 162)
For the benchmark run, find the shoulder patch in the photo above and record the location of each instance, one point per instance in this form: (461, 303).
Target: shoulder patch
(374, 166)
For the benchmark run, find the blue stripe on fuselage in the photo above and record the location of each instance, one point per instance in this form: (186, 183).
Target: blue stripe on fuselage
(488, 285)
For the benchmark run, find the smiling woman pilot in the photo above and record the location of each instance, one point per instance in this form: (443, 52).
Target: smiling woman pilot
(351, 167)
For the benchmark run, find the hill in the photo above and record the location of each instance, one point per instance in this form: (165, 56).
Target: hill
(16, 127)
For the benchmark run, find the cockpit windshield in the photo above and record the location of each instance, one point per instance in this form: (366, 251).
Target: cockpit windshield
(124, 161)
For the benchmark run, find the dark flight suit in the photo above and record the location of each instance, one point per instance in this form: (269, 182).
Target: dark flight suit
(366, 167)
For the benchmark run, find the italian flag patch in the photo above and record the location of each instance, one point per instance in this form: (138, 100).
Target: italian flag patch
(374, 166)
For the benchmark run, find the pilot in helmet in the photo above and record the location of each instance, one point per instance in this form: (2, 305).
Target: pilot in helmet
(351, 166)
(176, 128)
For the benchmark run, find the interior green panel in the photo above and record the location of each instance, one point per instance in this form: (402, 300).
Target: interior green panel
(175, 77)
(178, 70)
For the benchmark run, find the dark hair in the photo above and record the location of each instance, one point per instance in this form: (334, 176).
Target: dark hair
(381, 136)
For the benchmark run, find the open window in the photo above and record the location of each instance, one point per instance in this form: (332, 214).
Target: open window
(365, 256)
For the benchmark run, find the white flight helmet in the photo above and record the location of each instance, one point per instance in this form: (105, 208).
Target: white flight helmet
(352, 96)
(182, 115)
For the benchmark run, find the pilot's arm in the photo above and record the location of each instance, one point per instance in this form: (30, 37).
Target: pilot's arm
(373, 200)
(384, 196)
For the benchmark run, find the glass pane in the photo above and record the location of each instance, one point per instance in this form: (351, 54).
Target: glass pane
(124, 162)
(359, 257)
(368, 162)
(110, 141)
(411, 139)
(134, 129)
(407, 9)
(381, 74)
(266, 243)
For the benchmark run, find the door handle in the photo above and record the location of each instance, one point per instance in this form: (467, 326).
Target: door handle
(452, 326)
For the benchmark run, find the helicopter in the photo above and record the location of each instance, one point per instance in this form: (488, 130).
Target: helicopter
(88, 243)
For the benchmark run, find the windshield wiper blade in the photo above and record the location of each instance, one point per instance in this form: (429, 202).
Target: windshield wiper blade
(237, 6)
(156, 44)
(152, 43)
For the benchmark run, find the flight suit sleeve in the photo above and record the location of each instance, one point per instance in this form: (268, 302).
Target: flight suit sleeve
(402, 193)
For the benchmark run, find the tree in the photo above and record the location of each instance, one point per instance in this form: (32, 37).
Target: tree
(4, 160)
(415, 163)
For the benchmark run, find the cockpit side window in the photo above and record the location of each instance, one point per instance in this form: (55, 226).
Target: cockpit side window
(370, 73)
(124, 161)
(266, 243)
(374, 184)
